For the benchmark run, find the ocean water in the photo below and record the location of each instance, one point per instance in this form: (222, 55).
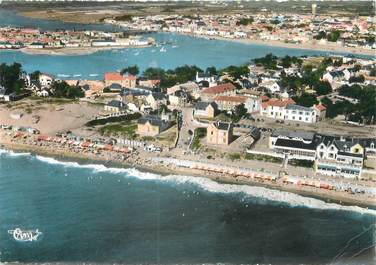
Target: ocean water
(90, 213)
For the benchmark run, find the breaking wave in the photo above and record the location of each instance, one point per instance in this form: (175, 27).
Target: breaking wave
(12, 153)
(291, 199)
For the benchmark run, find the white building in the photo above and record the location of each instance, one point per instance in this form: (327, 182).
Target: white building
(300, 114)
(339, 157)
(287, 110)
(45, 80)
(211, 79)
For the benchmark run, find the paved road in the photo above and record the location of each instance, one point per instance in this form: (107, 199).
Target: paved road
(188, 124)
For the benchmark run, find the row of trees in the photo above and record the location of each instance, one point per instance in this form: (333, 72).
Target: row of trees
(332, 36)
(271, 62)
(63, 90)
(172, 77)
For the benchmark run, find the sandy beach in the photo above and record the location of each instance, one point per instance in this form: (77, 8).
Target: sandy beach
(144, 162)
(74, 51)
(304, 46)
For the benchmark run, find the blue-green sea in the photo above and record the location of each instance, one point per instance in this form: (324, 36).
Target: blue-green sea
(92, 213)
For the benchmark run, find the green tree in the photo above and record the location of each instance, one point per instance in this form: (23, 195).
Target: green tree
(236, 71)
(63, 90)
(357, 67)
(357, 79)
(154, 73)
(34, 76)
(372, 72)
(186, 73)
(239, 112)
(132, 70)
(211, 70)
(245, 21)
(10, 78)
(320, 35)
(306, 100)
(323, 88)
(163, 108)
(287, 61)
(333, 36)
(269, 61)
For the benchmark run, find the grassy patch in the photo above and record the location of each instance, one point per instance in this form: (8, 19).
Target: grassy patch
(125, 118)
(167, 137)
(263, 158)
(199, 134)
(223, 117)
(301, 163)
(126, 129)
(234, 156)
(147, 138)
(51, 100)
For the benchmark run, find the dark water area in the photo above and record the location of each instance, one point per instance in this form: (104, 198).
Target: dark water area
(89, 213)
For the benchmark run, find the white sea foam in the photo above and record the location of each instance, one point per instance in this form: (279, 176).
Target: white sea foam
(12, 153)
(292, 199)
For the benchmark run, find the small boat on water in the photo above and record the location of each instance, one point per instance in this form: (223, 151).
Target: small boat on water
(136, 53)
(163, 49)
(63, 75)
(25, 235)
(174, 46)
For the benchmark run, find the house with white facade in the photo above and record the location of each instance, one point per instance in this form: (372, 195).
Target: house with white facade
(46, 80)
(287, 110)
(275, 108)
(339, 157)
(337, 78)
(300, 114)
(271, 86)
(211, 79)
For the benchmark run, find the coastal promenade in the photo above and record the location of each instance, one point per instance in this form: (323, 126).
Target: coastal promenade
(341, 191)
(267, 175)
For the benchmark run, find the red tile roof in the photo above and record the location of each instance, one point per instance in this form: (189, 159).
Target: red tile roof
(237, 99)
(114, 76)
(219, 89)
(278, 102)
(320, 107)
